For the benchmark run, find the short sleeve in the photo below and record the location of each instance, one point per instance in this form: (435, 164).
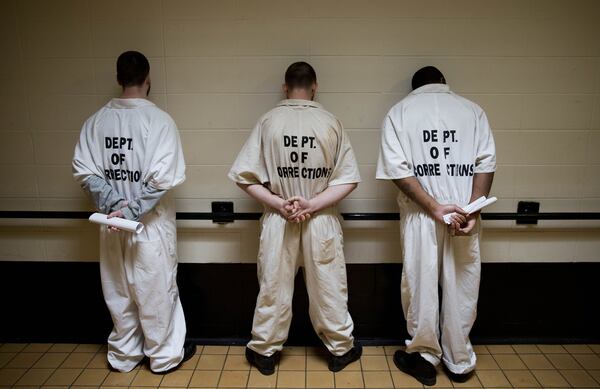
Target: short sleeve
(395, 160)
(485, 158)
(249, 166)
(85, 162)
(166, 168)
(345, 170)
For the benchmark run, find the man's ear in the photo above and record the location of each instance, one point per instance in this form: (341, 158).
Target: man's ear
(285, 89)
(148, 83)
(314, 88)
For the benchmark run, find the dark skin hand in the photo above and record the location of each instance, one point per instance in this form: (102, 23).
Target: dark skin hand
(411, 187)
(461, 223)
(482, 184)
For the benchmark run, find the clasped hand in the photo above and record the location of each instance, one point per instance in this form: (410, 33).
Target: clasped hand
(118, 213)
(296, 209)
(461, 222)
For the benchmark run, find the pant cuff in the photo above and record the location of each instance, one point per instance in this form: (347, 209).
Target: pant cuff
(433, 359)
(159, 366)
(123, 365)
(340, 350)
(463, 367)
(263, 349)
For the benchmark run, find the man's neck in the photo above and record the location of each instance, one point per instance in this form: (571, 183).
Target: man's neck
(299, 94)
(135, 92)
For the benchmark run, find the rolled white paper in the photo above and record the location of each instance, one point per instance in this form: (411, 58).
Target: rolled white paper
(117, 222)
(482, 204)
(475, 206)
(469, 208)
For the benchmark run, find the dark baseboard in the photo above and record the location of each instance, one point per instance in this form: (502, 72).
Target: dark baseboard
(519, 303)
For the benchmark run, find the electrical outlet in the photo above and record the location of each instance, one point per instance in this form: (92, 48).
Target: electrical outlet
(222, 212)
(528, 207)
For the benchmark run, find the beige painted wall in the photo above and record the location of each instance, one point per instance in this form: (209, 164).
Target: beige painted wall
(534, 65)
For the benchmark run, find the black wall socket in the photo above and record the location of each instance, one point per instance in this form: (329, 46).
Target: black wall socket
(528, 207)
(223, 212)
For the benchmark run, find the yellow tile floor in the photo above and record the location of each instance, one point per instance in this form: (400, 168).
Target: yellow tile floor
(499, 366)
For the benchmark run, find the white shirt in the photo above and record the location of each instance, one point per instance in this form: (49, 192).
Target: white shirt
(299, 149)
(130, 143)
(439, 137)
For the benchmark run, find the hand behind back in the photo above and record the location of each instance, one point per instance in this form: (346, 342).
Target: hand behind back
(299, 209)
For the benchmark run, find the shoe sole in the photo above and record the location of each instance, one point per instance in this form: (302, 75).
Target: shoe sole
(424, 381)
(264, 372)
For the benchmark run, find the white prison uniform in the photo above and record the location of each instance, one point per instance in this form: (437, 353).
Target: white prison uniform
(442, 139)
(138, 271)
(299, 149)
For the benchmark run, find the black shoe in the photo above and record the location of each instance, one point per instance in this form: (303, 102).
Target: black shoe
(266, 365)
(458, 377)
(189, 349)
(338, 363)
(415, 365)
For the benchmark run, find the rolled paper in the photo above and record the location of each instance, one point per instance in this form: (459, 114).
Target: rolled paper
(475, 206)
(469, 208)
(483, 204)
(117, 222)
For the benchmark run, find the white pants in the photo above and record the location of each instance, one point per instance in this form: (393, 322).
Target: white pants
(432, 257)
(139, 284)
(319, 242)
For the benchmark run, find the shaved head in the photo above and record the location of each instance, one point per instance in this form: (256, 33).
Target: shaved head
(300, 75)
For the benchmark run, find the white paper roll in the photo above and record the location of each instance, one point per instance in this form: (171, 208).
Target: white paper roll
(475, 206)
(482, 204)
(121, 224)
(469, 208)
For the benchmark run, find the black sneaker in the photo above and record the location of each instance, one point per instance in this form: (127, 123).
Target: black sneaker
(415, 365)
(458, 377)
(189, 349)
(338, 363)
(266, 365)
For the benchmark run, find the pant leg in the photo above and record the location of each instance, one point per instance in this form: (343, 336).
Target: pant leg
(325, 277)
(276, 270)
(461, 270)
(154, 281)
(419, 285)
(126, 341)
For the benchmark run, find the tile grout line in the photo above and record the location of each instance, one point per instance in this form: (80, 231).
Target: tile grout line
(55, 368)
(84, 368)
(535, 378)
(387, 362)
(228, 353)
(10, 359)
(26, 369)
(222, 366)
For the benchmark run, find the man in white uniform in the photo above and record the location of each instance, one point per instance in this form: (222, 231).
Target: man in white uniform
(438, 148)
(128, 157)
(298, 162)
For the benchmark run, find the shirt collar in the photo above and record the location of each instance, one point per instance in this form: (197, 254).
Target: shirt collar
(432, 88)
(299, 103)
(129, 103)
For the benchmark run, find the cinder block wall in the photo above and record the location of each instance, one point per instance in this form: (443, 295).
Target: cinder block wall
(534, 65)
